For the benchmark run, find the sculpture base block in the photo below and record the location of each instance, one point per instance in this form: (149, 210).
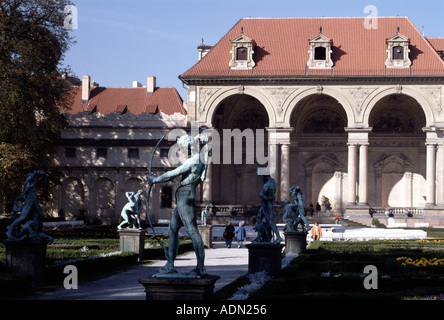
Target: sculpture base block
(132, 241)
(179, 288)
(206, 232)
(295, 242)
(265, 257)
(26, 258)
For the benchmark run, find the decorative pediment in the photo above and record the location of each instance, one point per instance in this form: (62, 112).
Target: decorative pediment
(394, 164)
(398, 51)
(320, 52)
(320, 38)
(242, 52)
(317, 159)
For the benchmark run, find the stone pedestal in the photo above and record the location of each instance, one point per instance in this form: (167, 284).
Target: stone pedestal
(265, 257)
(206, 232)
(132, 241)
(179, 288)
(295, 242)
(26, 258)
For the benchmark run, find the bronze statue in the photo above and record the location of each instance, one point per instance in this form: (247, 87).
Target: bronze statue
(192, 172)
(131, 211)
(28, 226)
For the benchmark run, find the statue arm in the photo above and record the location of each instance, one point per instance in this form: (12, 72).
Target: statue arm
(170, 175)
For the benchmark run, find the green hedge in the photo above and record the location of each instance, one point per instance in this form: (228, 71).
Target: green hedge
(335, 271)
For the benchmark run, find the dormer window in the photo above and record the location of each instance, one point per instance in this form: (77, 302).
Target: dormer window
(320, 52)
(242, 52)
(398, 51)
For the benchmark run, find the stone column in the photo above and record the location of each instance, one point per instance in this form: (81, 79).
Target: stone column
(273, 162)
(431, 175)
(207, 185)
(352, 174)
(440, 175)
(363, 175)
(285, 171)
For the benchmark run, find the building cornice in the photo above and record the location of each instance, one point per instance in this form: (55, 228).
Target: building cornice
(301, 80)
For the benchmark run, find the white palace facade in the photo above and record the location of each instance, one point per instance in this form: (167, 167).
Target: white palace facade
(356, 114)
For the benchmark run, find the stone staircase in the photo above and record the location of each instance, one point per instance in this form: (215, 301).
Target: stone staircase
(330, 220)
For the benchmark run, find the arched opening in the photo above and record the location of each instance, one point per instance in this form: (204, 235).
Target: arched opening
(319, 149)
(104, 201)
(397, 150)
(73, 201)
(240, 121)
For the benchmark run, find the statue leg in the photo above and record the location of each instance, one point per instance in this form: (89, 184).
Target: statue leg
(173, 233)
(124, 215)
(189, 221)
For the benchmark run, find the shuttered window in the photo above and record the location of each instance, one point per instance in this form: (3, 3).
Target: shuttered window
(241, 54)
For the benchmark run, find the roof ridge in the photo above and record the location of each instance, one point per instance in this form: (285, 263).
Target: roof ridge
(252, 18)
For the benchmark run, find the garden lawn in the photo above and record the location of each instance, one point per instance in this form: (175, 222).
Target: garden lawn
(406, 269)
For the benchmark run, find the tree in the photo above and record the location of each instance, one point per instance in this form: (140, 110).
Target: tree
(33, 41)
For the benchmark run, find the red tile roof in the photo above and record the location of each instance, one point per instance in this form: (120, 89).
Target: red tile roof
(282, 48)
(437, 43)
(135, 100)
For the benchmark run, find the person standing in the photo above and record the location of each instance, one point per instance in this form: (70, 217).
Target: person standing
(327, 208)
(228, 234)
(241, 235)
(316, 231)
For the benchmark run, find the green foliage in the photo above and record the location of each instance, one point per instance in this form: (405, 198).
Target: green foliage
(335, 271)
(32, 90)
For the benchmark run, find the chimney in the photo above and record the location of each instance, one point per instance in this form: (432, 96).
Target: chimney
(86, 80)
(151, 84)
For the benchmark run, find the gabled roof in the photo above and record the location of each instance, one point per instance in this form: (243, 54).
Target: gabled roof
(282, 48)
(135, 100)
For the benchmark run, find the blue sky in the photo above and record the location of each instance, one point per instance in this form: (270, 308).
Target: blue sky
(119, 41)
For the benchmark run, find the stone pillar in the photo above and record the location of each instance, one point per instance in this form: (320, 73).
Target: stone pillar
(207, 185)
(285, 171)
(363, 175)
(440, 175)
(265, 257)
(352, 174)
(295, 242)
(206, 232)
(431, 175)
(132, 241)
(26, 258)
(179, 288)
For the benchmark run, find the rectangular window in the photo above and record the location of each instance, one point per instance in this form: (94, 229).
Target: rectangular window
(164, 153)
(320, 53)
(70, 152)
(398, 53)
(102, 153)
(133, 153)
(166, 197)
(242, 54)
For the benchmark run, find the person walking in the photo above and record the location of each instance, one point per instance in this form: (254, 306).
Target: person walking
(241, 235)
(228, 234)
(316, 231)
